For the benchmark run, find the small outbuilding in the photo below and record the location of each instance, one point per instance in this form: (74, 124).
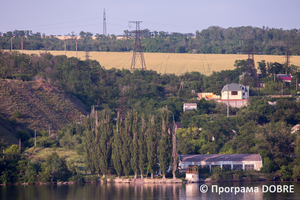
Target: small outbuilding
(226, 161)
(189, 106)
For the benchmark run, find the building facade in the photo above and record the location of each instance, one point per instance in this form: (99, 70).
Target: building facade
(236, 95)
(189, 106)
(226, 161)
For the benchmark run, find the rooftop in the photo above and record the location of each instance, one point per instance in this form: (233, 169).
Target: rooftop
(219, 157)
(233, 87)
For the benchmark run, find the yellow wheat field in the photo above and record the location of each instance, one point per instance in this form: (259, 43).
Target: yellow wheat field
(172, 62)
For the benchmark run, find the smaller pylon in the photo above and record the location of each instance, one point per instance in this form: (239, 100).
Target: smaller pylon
(87, 53)
(104, 23)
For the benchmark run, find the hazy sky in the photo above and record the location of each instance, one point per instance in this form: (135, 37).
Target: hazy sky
(60, 17)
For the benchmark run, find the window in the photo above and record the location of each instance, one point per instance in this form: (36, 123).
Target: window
(237, 167)
(234, 92)
(249, 167)
(226, 167)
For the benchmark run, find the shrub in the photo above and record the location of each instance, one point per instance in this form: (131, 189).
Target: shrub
(78, 178)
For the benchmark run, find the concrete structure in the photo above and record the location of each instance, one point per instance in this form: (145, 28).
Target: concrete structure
(189, 106)
(236, 95)
(227, 161)
(192, 174)
(208, 96)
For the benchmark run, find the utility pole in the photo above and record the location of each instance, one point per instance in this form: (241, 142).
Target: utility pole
(104, 23)
(65, 46)
(87, 55)
(34, 138)
(228, 100)
(76, 46)
(11, 44)
(22, 43)
(138, 50)
(20, 145)
(49, 130)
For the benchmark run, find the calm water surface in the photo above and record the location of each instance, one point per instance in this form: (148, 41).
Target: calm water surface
(116, 191)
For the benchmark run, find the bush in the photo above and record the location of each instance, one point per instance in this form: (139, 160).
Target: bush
(17, 114)
(104, 179)
(78, 178)
(91, 178)
(269, 176)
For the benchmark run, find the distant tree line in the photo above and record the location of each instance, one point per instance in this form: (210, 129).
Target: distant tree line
(214, 40)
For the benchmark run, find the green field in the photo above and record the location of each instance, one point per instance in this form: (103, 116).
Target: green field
(172, 62)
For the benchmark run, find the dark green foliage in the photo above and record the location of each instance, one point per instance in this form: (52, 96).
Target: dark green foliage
(134, 147)
(55, 169)
(164, 144)
(126, 137)
(151, 145)
(274, 141)
(105, 133)
(117, 147)
(142, 147)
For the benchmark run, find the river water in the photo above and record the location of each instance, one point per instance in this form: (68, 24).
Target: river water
(116, 191)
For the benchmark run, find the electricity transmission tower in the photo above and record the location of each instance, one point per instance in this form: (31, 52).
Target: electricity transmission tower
(138, 50)
(104, 23)
(122, 109)
(251, 70)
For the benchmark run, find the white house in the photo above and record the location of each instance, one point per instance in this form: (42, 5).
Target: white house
(236, 95)
(189, 106)
(235, 91)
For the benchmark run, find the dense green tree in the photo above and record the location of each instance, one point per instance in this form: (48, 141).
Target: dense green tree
(142, 147)
(151, 145)
(117, 147)
(134, 148)
(164, 144)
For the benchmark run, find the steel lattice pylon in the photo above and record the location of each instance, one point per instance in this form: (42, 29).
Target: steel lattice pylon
(138, 50)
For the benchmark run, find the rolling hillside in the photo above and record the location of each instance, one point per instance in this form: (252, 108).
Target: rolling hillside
(39, 105)
(172, 62)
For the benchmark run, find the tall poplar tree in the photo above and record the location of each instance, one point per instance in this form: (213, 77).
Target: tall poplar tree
(105, 142)
(117, 147)
(151, 145)
(126, 143)
(135, 146)
(142, 148)
(174, 149)
(164, 146)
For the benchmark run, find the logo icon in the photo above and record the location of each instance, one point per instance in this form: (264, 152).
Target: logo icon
(203, 188)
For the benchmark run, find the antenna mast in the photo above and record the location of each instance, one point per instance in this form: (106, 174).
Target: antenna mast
(104, 23)
(138, 50)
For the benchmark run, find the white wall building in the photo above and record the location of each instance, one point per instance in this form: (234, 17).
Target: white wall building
(226, 161)
(189, 106)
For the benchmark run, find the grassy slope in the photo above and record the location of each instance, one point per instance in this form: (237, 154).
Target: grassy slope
(40, 104)
(40, 154)
(172, 62)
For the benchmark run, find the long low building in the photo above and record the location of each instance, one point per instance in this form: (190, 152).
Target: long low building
(226, 161)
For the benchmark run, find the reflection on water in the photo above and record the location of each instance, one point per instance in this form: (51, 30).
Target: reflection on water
(139, 191)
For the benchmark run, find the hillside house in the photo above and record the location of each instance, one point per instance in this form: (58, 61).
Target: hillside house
(225, 161)
(189, 106)
(236, 95)
(285, 77)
